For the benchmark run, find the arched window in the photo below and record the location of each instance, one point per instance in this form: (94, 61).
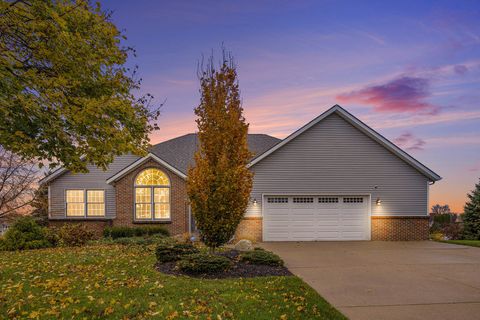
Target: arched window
(152, 195)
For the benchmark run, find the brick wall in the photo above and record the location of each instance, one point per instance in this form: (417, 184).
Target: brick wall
(124, 197)
(400, 228)
(96, 226)
(249, 228)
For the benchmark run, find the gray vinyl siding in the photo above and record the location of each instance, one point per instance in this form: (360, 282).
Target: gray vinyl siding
(95, 179)
(334, 157)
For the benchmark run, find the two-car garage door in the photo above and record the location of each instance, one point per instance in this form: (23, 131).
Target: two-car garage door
(315, 218)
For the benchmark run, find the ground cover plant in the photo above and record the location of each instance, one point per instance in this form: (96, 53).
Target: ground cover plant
(471, 243)
(261, 257)
(118, 281)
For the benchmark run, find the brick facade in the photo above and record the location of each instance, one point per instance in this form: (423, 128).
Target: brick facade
(400, 228)
(250, 228)
(382, 228)
(124, 197)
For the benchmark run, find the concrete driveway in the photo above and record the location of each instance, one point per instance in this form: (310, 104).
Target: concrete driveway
(389, 280)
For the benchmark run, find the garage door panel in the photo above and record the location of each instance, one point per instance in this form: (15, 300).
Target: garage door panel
(311, 218)
(329, 236)
(352, 235)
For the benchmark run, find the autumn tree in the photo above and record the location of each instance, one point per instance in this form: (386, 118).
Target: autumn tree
(471, 216)
(219, 184)
(18, 182)
(66, 95)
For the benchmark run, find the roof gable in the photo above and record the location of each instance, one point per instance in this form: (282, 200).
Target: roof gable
(177, 154)
(143, 160)
(361, 127)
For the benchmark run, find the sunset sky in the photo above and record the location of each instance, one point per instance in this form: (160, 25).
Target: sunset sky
(409, 69)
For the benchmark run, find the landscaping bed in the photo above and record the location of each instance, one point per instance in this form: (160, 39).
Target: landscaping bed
(239, 269)
(119, 282)
(180, 258)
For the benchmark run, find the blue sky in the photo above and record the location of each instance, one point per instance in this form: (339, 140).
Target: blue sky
(409, 69)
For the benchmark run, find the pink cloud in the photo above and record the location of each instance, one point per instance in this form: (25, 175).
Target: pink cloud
(404, 94)
(460, 69)
(475, 167)
(409, 142)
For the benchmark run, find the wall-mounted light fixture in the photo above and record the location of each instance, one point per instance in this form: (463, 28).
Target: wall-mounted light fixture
(378, 202)
(254, 201)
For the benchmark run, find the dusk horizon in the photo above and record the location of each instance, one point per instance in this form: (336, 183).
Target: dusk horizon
(409, 74)
(273, 159)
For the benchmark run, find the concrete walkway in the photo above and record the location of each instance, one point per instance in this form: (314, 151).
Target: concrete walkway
(389, 280)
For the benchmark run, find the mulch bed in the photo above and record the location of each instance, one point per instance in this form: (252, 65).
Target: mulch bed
(238, 270)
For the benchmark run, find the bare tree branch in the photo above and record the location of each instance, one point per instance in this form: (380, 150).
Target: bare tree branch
(18, 182)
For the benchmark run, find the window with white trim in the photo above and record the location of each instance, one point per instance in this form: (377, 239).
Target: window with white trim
(302, 200)
(353, 200)
(327, 200)
(152, 195)
(277, 200)
(85, 203)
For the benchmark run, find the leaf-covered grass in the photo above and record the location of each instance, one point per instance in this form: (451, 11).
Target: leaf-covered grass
(472, 243)
(120, 282)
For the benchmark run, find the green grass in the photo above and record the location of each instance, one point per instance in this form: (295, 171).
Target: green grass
(472, 243)
(119, 282)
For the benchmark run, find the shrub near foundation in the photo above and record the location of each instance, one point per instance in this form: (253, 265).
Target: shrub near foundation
(25, 234)
(126, 232)
(74, 235)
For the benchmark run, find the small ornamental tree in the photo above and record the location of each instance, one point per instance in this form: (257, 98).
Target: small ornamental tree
(219, 184)
(471, 217)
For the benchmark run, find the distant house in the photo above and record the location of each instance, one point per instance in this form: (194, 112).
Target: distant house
(333, 179)
(3, 227)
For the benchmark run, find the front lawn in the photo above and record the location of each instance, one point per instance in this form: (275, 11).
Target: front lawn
(120, 282)
(472, 243)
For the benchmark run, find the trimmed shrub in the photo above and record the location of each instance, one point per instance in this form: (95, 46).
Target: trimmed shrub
(261, 257)
(172, 251)
(127, 232)
(139, 240)
(25, 233)
(203, 263)
(74, 235)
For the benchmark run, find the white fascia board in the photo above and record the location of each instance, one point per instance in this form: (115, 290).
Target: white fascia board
(52, 176)
(142, 160)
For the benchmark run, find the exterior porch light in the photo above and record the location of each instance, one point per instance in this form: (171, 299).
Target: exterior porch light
(254, 201)
(378, 202)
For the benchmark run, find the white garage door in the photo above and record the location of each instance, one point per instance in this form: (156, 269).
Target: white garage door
(315, 218)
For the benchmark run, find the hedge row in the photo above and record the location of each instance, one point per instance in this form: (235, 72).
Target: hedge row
(126, 232)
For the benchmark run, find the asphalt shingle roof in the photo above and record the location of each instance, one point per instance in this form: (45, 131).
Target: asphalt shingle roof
(179, 151)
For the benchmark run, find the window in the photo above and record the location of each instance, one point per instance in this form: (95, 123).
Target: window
(75, 203)
(277, 200)
(95, 203)
(352, 200)
(152, 195)
(327, 200)
(85, 203)
(302, 200)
